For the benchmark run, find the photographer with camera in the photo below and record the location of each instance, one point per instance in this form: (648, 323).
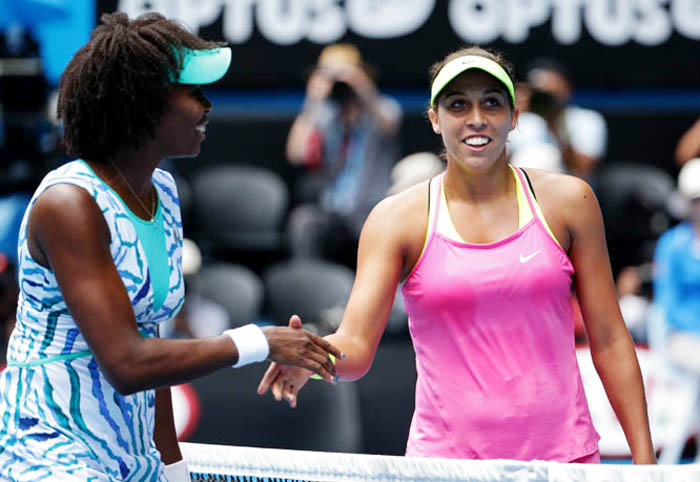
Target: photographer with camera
(347, 137)
(581, 133)
(574, 138)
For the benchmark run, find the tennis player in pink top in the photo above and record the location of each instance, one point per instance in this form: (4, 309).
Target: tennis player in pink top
(488, 255)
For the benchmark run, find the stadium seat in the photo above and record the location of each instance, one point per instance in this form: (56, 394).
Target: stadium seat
(238, 289)
(634, 200)
(314, 289)
(239, 209)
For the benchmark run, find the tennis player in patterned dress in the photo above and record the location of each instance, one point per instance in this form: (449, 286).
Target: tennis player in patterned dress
(487, 258)
(85, 393)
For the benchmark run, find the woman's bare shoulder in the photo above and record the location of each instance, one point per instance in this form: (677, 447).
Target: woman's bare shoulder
(396, 228)
(568, 202)
(64, 204)
(404, 206)
(403, 214)
(65, 213)
(555, 186)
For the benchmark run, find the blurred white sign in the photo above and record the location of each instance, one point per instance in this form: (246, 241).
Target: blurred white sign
(285, 22)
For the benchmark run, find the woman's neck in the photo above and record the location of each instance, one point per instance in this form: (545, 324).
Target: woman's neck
(136, 166)
(478, 186)
(131, 181)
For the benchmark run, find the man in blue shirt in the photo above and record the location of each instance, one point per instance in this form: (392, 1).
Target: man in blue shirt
(677, 298)
(677, 262)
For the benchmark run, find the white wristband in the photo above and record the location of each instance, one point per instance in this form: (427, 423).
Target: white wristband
(177, 472)
(251, 344)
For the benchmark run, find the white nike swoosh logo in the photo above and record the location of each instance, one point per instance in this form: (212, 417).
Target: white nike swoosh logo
(525, 259)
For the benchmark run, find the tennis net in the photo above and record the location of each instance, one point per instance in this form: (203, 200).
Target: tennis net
(248, 464)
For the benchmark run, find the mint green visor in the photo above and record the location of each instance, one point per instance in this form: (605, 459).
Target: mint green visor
(461, 64)
(203, 66)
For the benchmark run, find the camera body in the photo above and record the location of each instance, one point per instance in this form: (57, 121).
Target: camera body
(342, 92)
(545, 104)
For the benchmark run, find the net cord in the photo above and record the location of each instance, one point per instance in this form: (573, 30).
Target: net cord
(314, 466)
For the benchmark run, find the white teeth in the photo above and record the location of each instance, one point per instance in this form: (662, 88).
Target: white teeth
(201, 128)
(477, 141)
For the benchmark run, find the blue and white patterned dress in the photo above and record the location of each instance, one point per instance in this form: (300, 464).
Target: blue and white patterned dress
(60, 417)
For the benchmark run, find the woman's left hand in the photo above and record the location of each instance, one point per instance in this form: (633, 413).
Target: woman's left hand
(285, 381)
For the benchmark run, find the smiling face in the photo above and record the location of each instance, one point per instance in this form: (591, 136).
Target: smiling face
(182, 128)
(473, 115)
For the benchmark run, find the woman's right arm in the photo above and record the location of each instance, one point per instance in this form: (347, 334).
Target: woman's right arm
(303, 128)
(390, 242)
(67, 233)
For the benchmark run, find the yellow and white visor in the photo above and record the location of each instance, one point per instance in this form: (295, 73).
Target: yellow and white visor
(461, 64)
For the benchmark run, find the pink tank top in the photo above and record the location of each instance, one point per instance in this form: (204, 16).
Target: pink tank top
(493, 330)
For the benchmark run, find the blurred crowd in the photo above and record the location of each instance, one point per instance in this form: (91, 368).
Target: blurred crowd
(261, 248)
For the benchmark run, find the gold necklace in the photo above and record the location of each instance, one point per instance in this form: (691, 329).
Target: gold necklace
(151, 212)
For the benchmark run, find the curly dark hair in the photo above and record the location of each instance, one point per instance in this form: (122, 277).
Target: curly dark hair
(472, 50)
(115, 89)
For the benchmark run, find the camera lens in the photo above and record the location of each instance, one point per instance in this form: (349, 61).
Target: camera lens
(342, 92)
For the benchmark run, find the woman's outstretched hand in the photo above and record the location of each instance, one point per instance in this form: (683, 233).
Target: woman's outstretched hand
(295, 360)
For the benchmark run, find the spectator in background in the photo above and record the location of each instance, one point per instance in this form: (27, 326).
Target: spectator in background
(531, 143)
(633, 299)
(677, 276)
(581, 134)
(688, 146)
(8, 302)
(28, 140)
(347, 132)
(676, 333)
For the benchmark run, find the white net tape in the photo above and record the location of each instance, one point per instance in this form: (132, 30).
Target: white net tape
(227, 463)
